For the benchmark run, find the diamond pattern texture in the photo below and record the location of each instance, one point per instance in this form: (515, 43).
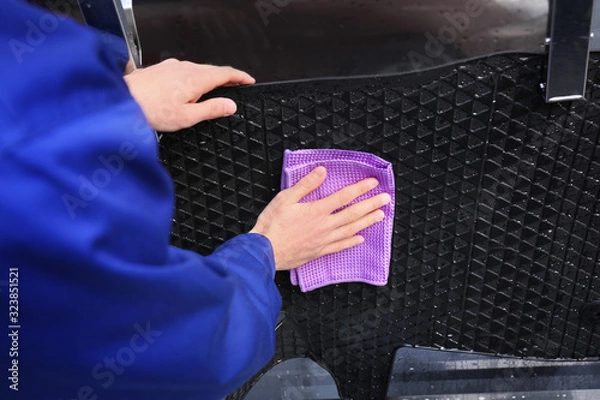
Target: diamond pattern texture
(497, 229)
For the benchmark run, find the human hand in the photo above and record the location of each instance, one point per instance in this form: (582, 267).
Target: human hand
(301, 232)
(168, 92)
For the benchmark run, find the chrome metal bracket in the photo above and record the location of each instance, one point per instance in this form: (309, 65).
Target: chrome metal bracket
(114, 17)
(595, 44)
(568, 49)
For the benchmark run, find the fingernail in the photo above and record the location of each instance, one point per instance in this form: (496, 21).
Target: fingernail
(386, 198)
(373, 183)
(320, 170)
(380, 216)
(230, 107)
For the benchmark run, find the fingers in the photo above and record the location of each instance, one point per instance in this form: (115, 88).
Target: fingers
(346, 236)
(221, 76)
(307, 184)
(342, 245)
(209, 77)
(348, 194)
(359, 210)
(350, 221)
(232, 76)
(354, 227)
(218, 107)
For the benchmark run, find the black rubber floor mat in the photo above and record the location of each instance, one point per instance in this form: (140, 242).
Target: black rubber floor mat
(420, 373)
(497, 232)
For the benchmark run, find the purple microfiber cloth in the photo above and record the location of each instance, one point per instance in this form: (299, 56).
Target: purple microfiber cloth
(368, 262)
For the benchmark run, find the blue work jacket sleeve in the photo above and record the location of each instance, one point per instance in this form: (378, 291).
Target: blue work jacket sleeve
(106, 308)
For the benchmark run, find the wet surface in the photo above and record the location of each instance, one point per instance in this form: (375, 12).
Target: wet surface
(497, 230)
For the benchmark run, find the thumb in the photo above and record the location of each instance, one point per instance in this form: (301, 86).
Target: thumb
(208, 109)
(307, 184)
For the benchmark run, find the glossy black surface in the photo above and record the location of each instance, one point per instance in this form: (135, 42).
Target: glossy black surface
(291, 39)
(497, 231)
(420, 373)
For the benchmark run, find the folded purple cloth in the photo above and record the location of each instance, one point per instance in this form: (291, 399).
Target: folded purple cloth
(368, 262)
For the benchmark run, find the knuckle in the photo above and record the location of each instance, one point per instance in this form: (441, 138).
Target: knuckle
(320, 250)
(349, 230)
(341, 245)
(305, 183)
(373, 204)
(184, 119)
(343, 197)
(280, 200)
(350, 215)
(216, 109)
